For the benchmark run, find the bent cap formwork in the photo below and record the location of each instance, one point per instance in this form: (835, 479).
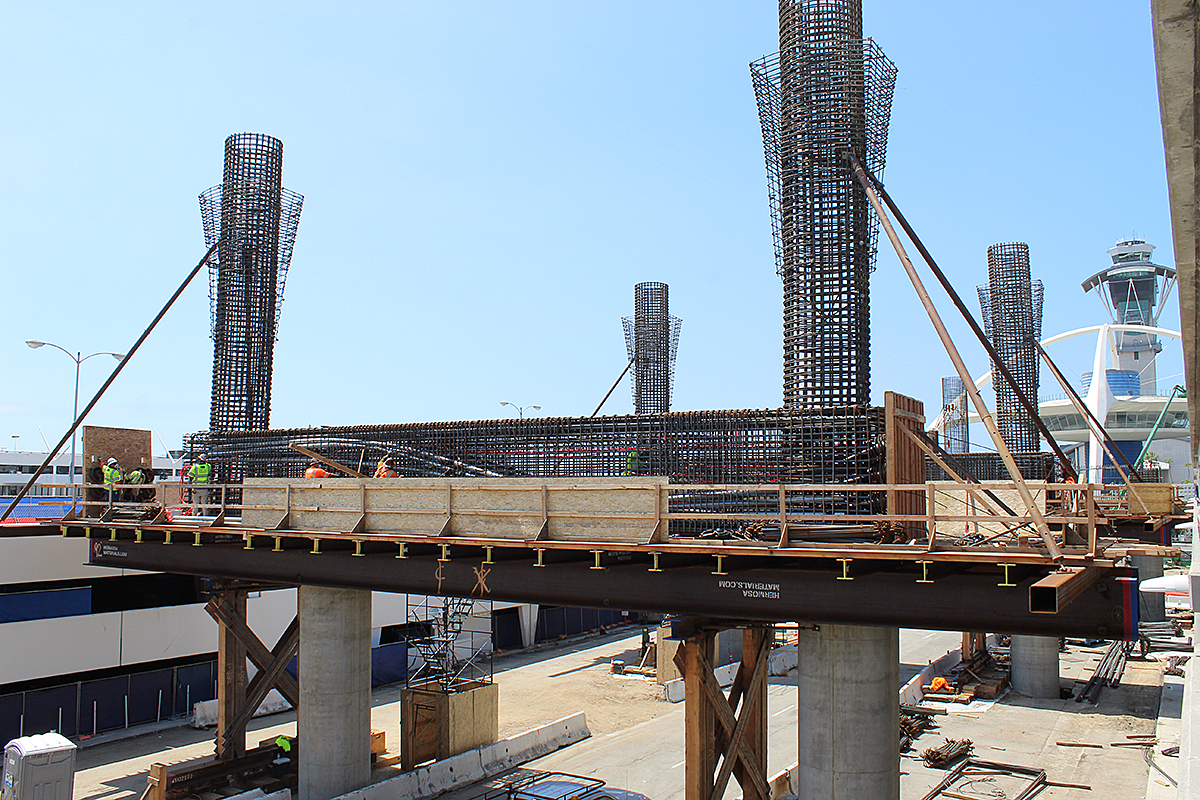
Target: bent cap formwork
(255, 219)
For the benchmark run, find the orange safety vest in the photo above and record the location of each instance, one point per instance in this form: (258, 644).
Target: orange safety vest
(383, 471)
(315, 472)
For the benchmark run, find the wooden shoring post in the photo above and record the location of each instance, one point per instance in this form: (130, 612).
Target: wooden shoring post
(265, 680)
(157, 782)
(756, 649)
(231, 670)
(699, 718)
(783, 523)
(448, 521)
(891, 448)
(256, 651)
(905, 462)
(960, 366)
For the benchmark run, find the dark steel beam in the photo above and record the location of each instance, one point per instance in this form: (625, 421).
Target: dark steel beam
(880, 593)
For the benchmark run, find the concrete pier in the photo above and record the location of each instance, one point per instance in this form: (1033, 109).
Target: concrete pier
(1152, 606)
(1034, 665)
(334, 719)
(848, 711)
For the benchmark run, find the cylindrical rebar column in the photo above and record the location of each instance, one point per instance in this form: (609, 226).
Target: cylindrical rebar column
(824, 216)
(1012, 312)
(244, 330)
(650, 341)
(255, 219)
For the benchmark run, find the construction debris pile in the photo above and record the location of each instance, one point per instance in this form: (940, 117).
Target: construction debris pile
(914, 721)
(979, 678)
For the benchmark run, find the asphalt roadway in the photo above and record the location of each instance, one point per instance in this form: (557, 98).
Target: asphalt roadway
(637, 739)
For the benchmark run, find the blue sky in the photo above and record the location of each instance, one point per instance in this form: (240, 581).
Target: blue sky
(485, 182)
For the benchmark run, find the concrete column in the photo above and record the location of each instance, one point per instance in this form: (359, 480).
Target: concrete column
(334, 720)
(848, 713)
(1034, 665)
(528, 615)
(1152, 606)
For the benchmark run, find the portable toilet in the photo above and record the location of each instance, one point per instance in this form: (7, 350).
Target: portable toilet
(39, 767)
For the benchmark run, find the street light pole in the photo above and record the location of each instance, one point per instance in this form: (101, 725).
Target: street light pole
(520, 409)
(78, 358)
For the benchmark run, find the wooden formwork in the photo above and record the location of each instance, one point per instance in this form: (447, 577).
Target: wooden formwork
(905, 460)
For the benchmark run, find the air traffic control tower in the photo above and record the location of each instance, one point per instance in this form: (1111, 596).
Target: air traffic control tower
(1134, 291)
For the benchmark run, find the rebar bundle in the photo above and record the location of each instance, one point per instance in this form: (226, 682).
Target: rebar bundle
(954, 415)
(1012, 318)
(949, 752)
(1107, 673)
(255, 219)
(651, 341)
(826, 91)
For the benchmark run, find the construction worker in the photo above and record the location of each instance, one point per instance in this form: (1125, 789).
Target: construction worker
(282, 763)
(112, 477)
(136, 478)
(315, 470)
(386, 468)
(200, 475)
(633, 462)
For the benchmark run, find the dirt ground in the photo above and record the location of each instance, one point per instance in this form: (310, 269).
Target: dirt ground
(577, 678)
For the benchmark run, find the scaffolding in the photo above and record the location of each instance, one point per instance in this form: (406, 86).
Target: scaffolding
(450, 642)
(1012, 318)
(651, 341)
(826, 91)
(954, 415)
(255, 219)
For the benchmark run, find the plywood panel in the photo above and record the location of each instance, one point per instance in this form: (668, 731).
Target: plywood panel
(500, 508)
(952, 500)
(131, 447)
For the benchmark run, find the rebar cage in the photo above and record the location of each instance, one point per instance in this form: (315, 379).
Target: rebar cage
(651, 341)
(255, 219)
(811, 446)
(1012, 318)
(826, 91)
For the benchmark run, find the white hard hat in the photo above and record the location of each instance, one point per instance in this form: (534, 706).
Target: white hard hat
(111, 461)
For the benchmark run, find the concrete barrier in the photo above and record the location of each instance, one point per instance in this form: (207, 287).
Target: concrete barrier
(204, 714)
(782, 660)
(673, 690)
(477, 764)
